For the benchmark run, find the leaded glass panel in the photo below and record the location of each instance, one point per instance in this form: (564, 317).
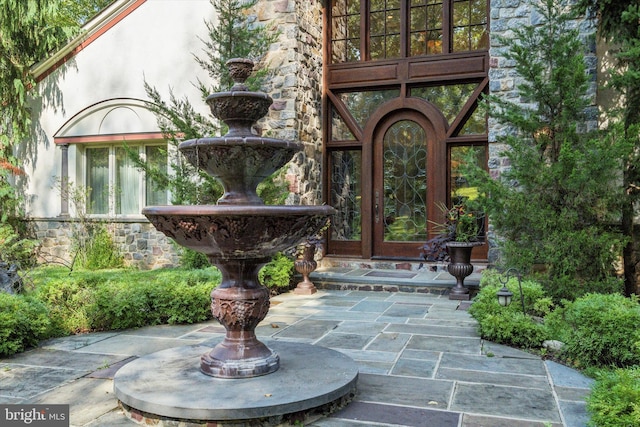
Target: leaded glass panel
(346, 172)
(405, 184)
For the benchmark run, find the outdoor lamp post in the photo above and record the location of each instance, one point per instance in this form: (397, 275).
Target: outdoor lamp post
(505, 295)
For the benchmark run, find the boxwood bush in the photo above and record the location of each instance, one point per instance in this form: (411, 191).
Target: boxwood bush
(615, 398)
(599, 330)
(120, 299)
(509, 325)
(277, 274)
(23, 322)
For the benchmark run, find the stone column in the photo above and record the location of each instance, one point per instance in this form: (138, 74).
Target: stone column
(64, 182)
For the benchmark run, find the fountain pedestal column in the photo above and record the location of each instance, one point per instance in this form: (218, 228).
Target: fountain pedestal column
(239, 304)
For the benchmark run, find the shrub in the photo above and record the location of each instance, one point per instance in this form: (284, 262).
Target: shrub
(100, 252)
(555, 204)
(570, 287)
(15, 249)
(181, 302)
(70, 301)
(615, 398)
(508, 325)
(598, 330)
(192, 260)
(23, 322)
(276, 275)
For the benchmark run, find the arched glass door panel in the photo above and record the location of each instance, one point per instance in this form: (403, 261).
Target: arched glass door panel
(404, 154)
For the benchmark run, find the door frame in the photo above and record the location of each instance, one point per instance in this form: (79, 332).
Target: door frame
(435, 126)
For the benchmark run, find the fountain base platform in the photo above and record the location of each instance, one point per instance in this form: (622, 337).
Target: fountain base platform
(168, 386)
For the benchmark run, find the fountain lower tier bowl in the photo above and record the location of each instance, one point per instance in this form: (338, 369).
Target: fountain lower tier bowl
(240, 163)
(238, 156)
(238, 232)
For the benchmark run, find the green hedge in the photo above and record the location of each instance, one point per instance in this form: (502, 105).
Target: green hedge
(23, 322)
(120, 299)
(63, 302)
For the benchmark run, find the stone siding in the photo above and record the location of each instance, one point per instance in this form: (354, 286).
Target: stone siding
(507, 15)
(140, 244)
(295, 84)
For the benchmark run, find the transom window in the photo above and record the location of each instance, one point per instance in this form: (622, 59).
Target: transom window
(115, 186)
(388, 29)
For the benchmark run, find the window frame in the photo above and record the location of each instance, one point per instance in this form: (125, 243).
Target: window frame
(447, 32)
(112, 178)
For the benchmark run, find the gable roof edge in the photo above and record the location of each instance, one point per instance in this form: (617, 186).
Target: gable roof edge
(92, 30)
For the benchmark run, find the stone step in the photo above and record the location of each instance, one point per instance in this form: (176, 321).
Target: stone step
(389, 276)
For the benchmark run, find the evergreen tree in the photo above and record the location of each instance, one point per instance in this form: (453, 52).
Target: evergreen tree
(29, 31)
(619, 24)
(234, 35)
(555, 204)
(26, 37)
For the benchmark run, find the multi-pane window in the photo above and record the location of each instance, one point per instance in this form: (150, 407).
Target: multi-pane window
(384, 29)
(470, 25)
(345, 30)
(116, 186)
(388, 29)
(425, 19)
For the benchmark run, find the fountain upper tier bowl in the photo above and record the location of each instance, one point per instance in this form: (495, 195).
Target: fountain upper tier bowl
(239, 107)
(238, 232)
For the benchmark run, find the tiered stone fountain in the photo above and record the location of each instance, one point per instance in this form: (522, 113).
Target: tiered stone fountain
(239, 235)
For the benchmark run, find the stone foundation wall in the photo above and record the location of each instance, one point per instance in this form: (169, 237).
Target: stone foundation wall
(140, 244)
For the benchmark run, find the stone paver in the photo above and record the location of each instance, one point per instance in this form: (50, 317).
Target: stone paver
(421, 364)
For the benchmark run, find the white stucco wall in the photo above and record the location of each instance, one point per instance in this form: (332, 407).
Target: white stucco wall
(156, 43)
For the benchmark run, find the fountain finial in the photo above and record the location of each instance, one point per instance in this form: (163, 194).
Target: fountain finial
(239, 69)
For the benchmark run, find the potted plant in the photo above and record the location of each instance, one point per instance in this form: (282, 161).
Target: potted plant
(460, 232)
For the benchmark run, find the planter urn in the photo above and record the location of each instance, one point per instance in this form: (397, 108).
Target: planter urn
(305, 265)
(460, 267)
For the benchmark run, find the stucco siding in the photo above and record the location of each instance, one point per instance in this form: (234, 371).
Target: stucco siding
(156, 43)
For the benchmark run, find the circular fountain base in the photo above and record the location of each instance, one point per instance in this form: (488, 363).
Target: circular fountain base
(168, 385)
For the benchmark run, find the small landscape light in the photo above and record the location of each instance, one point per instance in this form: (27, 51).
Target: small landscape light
(504, 296)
